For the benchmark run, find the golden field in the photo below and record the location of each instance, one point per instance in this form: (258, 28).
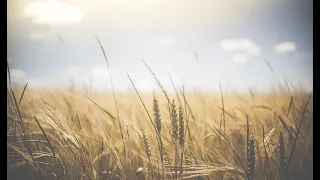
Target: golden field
(71, 135)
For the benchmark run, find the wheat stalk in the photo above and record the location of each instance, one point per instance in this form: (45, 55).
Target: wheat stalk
(282, 155)
(157, 120)
(174, 121)
(147, 150)
(251, 157)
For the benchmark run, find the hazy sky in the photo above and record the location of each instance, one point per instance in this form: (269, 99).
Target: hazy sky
(199, 42)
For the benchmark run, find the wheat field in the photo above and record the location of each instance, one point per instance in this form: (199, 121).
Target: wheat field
(59, 134)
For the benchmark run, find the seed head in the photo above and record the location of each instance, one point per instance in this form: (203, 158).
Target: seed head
(156, 113)
(146, 144)
(181, 127)
(174, 121)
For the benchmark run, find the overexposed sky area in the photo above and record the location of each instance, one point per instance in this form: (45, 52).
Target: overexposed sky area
(199, 42)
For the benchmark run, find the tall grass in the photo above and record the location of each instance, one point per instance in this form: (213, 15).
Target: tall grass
(70, 135)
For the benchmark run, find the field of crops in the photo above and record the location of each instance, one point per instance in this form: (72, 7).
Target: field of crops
(180, 135)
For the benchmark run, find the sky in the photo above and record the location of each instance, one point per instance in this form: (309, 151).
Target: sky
(200, 43)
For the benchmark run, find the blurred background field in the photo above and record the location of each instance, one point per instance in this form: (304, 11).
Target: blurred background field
(76, 125)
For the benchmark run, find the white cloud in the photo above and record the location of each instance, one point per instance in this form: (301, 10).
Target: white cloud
(36, 83)
(240, 45)
(242, 49)
(145, 86)
(17, 74)
(285, 47)
(53, 12)
(100, 72)
(78, 76)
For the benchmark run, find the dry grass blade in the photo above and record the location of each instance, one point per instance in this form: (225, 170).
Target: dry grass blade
(18, 111)
(174, 87)
(45, 136)
(223, 111)
(306, 149)
(114, 96)
(22, 154)
(220, 125)
(155, 77)
(57, 166)
(191, 113)
(100, 159)
(268, 64)
(109, 114)
(269, 135)
(31, 141)
(24, 89)
(26, 145)
(145, 108)
(291, 133)
(11, 119)
(234, 151)
(298, 131)
(291, 101)
(226, 112)
(265, 150)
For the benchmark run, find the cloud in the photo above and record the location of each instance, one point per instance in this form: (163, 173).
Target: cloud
(285, 47)
(37, 83)
(100, 72)
(17, 74)
(145, 87)
(17, 77)
(53, 12)
(240, 45)
(20, 77)
(76, 75)
(242, 49)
